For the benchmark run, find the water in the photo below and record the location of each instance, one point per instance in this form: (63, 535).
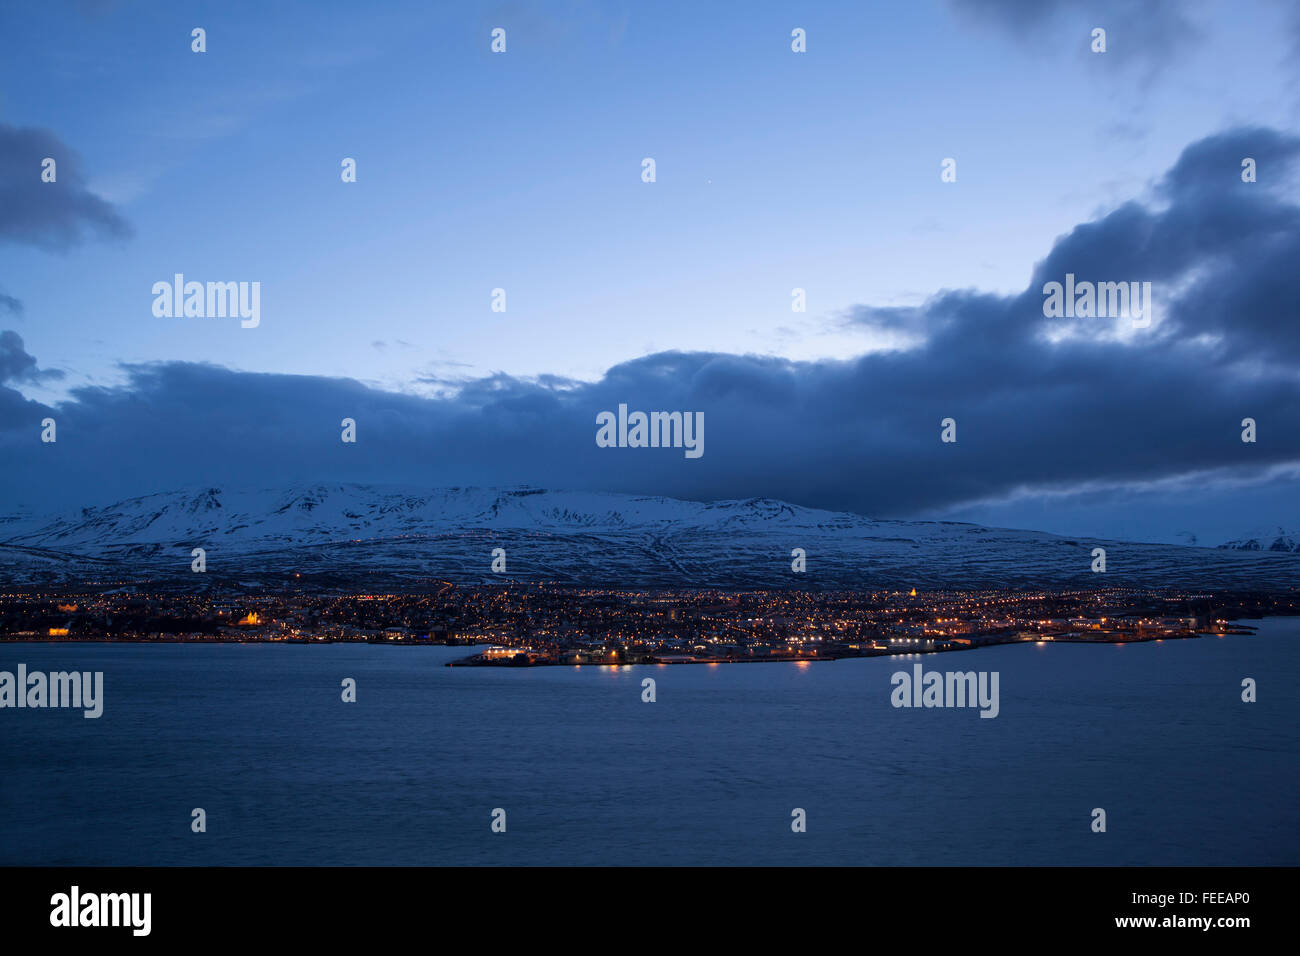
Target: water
(1156, 734)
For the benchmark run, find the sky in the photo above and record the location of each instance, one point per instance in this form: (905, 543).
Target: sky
(775, 170)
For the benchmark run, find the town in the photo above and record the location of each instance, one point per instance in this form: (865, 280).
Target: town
(538, 624)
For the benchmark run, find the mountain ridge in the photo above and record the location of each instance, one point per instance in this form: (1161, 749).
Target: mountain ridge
(1281, 540)
(403, 535)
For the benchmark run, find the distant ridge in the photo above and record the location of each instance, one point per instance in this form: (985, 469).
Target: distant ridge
(353, 535)
(1280, 540)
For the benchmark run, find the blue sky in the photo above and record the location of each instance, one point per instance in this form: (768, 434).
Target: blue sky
(522, 171)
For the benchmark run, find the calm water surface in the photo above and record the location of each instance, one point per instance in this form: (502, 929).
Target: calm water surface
(288, 774)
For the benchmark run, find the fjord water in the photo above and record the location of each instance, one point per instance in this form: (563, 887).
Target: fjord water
(257, 735)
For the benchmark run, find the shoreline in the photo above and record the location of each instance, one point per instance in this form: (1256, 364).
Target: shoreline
(651, 661)
(1235, 629)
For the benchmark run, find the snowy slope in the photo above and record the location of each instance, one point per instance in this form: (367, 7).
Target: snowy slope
(1275, 539)
(380, 536)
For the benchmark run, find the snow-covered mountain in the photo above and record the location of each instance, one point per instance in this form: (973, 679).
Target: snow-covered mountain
(376, 536)
(1276, 539)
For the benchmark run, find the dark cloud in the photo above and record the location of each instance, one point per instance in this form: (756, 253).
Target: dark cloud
(1222, 252)
(16, 365)
(16, 413)
(1040, 404)
(893, 320)
(49, 215)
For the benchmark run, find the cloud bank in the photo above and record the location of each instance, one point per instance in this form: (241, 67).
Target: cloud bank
(50, 215)
(1040, 404)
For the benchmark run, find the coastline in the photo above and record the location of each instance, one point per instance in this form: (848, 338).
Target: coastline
(671, 660)
(526, 659)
